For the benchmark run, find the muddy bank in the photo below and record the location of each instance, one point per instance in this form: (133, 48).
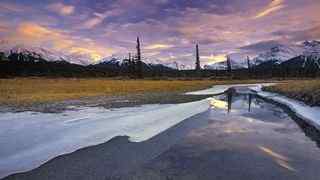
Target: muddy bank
(105, 101)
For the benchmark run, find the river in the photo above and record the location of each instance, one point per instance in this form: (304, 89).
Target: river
(239, 136)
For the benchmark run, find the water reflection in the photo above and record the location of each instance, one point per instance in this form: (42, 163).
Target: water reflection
(240, 102)
(230, 93)
(230, 97)
(215, 103)
(309, 130)
(250, 101)
(281, 160)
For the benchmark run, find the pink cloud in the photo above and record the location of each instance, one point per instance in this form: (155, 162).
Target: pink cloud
(61, 8)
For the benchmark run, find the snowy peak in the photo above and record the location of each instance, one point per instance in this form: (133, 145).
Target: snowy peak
(312, 48)
(282, 53)
(172, 65)
(236, 63)
(113, 60)
(38, 52)
(278, 54)
(216, 66)
(313, 43)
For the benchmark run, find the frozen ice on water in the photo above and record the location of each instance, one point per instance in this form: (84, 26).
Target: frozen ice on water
(29, 139)
(308, 113)
(218, 89)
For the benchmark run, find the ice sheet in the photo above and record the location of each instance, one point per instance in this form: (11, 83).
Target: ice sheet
(218, 89)
(28, 139)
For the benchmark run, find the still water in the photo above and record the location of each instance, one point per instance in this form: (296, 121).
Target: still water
(241, 136)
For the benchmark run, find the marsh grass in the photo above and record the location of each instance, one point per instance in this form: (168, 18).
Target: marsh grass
(307, 91)
(41, 90)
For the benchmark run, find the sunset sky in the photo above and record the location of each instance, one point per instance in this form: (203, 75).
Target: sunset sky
(168, 29)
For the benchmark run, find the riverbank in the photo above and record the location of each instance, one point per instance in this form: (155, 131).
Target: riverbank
(254, 135)
(307, 91)
(308, 113)
(56, 95)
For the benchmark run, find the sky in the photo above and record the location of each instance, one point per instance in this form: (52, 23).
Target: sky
(168, 29)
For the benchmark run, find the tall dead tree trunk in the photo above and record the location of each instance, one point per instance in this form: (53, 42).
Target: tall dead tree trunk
(229, 68)
(198, 66)
(138, 63)
(249, 66)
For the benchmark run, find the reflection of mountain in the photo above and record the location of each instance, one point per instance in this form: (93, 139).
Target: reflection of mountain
(232, 98)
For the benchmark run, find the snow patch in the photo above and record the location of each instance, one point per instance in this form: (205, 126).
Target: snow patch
(218, 89)
(29, 139)
(303, 111)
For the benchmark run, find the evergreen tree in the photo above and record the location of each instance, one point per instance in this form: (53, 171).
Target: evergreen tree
(129, 63)
(229, 64)
(138, 62)
(249, 65)
(2, 56)
(13, 56)
(198, 67)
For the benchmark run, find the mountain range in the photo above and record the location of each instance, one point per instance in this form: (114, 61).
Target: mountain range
(55, 56)
(306, 54)
(277, 55)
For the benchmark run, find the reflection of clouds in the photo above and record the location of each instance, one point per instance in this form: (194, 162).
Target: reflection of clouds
(231, 130)
(218, 104)
(281, 160)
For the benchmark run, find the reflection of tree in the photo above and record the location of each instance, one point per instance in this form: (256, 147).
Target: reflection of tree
(229, 98)
(250, 101)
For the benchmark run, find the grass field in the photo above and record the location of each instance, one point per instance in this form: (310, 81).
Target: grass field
(38, 90)
(307, 91)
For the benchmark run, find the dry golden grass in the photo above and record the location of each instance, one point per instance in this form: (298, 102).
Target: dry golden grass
(304, 90)
(38, 90)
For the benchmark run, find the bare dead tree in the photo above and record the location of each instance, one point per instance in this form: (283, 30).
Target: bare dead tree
(198, 66)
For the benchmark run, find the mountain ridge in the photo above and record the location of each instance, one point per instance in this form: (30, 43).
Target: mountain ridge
(277, 55)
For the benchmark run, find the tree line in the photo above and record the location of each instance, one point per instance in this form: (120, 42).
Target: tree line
(19, 64)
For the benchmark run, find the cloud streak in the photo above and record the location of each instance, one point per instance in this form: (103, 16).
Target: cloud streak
(61, 9)
(29, 33)
(168, 29)
(274, 6)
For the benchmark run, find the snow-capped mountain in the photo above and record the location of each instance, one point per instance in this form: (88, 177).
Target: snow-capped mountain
(116, 61)
(172, 65)
(48, 55)
(311, 48)
(278, 54)
(113, 60)
(216, 66)
(282, 53)
(235, 64)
